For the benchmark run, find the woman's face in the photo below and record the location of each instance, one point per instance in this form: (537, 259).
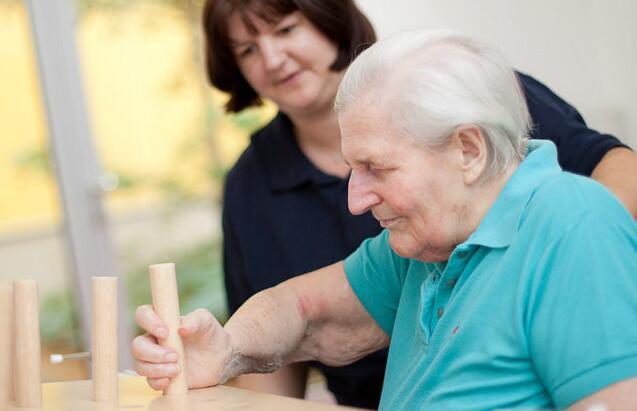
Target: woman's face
(287, 62)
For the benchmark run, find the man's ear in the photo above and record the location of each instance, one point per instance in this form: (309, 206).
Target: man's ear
(473, 146)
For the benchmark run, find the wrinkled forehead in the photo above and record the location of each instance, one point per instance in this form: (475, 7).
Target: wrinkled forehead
(366, 132)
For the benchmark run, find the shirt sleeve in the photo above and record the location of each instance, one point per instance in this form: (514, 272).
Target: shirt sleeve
(583, 307)
(376, 274)
(579, 148)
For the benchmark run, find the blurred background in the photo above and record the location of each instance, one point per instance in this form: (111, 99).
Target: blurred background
(140, 182)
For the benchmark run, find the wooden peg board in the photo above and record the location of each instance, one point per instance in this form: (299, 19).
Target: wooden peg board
(135, 395)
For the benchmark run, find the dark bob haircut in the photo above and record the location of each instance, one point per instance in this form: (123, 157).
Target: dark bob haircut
(339, 20)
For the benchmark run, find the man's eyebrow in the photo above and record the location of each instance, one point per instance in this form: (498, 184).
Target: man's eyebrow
(360, 160)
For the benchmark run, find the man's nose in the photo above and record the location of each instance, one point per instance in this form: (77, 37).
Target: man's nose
(360, 197)
(273, 54)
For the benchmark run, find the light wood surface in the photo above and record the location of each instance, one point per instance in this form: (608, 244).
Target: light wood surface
(28, 382)
(6, 342)
(104, 356)
(163, 285)
(135, 395)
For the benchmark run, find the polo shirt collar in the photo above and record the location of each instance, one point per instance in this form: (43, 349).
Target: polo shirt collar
(287, 166)
(500, 225)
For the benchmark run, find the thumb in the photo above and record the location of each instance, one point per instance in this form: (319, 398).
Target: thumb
(197, 325)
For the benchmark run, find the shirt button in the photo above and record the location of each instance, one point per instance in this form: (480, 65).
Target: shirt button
(441, 311)
(435, 277)
(452, 283)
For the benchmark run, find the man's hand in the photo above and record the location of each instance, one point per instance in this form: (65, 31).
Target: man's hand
(315, 316)
(207, 346)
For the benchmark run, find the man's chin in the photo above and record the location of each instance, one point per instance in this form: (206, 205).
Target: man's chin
(400, 248)
(416, 253)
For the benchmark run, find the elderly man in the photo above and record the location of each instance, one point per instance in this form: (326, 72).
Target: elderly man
(499, 280)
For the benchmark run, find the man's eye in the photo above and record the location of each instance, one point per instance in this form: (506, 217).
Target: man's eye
(374, 169)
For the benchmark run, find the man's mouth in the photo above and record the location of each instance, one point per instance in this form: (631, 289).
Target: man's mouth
(387, 222)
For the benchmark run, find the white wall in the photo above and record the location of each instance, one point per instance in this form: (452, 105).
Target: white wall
(585, 50)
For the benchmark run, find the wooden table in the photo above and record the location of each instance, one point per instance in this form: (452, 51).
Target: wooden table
(134, 395)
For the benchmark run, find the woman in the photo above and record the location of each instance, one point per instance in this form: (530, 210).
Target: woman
(293, 54)
(285, 208)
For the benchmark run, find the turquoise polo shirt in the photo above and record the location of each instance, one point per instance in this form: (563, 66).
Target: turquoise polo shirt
(536, 309)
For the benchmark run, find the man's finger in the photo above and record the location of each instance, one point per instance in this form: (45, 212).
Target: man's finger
(197, 324)
(148, 319)
(158, 384)
(145, 348)
(152, 370)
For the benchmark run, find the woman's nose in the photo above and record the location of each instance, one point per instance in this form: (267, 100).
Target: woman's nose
(273, 54)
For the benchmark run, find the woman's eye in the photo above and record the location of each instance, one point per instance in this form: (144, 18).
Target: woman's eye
(286, 29)
(246, 51)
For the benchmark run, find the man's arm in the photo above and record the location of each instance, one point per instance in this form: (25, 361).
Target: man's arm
(618, 172)
(620, 396)
(315, 316)
(581, 348)
(289, 380)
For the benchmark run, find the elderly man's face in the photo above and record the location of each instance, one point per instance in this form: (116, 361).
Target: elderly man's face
(416, 193)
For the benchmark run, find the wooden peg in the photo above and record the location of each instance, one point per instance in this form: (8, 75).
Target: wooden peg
(104, 356)
(28, 384)
(163, 285)
(6, 342)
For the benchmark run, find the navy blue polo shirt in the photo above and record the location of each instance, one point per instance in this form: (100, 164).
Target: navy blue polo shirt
(283, 217)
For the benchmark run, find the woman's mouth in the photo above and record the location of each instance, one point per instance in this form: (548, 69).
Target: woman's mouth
(288, 79)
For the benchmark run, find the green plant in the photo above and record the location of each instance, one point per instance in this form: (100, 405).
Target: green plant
(59, 319)
(199, 279)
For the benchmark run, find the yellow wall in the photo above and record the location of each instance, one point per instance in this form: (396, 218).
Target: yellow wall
(25, 194)
(145, 101)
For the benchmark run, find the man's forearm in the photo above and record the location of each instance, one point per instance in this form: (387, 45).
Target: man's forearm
(289, 380)
(315, 316)
(266, 331)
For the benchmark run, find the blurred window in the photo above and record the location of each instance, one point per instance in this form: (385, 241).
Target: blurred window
(32, 240)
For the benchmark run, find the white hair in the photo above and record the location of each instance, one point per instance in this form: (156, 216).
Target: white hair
(432, 82)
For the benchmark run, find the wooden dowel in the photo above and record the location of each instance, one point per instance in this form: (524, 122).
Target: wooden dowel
(104, 356)
(28, 384)
(163, 285)
(6, 342)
